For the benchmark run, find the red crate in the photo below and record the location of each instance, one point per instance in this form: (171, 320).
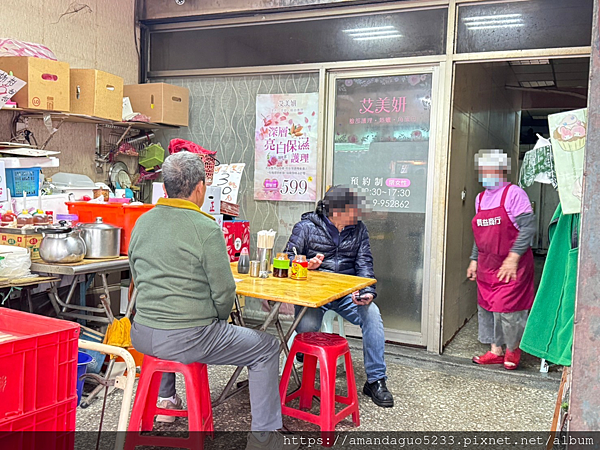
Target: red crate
(38, 368)
(51, 428)
(117, 214)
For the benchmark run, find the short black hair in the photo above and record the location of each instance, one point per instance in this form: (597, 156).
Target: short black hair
(338, 198)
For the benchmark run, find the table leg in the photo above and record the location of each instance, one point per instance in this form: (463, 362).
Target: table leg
(71, 293)
(29, 302)
(106, 301)
(286, 350)
(238, 308)
(53, 295)
(226, 392)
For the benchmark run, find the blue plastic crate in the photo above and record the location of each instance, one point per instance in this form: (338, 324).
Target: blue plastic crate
(19, 180)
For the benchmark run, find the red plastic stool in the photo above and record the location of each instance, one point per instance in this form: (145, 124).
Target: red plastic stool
(326, 348)
(199, 412)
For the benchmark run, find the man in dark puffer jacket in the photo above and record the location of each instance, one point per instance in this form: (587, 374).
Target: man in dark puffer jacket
(335, 240)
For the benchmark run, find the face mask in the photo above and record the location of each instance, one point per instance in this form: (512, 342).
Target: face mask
(490, 182)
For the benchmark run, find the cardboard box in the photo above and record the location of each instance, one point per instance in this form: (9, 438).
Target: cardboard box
(237, 237)
(47, 85)
(162, 102)
(30, 241)
(96, 93)
(212, 200)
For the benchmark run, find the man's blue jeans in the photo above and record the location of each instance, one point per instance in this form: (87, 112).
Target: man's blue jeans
(367, 317)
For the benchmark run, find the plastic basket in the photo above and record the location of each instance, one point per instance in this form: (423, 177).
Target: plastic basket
(38, 362)
(152, 156)
(119, 215)
(52, 428)
(19, 180)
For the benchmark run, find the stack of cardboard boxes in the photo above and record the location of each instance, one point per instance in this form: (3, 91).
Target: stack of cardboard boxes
(53, 86)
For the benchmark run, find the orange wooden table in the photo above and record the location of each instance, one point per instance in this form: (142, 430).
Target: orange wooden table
(320, 289)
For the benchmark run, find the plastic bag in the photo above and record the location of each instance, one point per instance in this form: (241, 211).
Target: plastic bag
(15, 265)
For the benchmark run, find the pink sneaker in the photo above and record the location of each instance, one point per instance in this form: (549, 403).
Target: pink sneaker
(489, 358)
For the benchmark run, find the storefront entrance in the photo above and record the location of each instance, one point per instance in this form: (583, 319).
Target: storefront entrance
(380, 141)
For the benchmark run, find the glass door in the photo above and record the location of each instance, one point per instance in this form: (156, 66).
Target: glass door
(380, 141)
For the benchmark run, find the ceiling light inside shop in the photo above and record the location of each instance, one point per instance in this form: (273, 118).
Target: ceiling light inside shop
(363, 30)
(496, 17)
(490, 22)
(534, 84)
(529, 62)
(373, 33)
(370, 38)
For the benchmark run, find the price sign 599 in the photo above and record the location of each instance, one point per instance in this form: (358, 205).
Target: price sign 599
(293, 187)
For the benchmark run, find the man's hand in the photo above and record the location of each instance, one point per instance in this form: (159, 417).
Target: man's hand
(315, 263)
(472, 271)
(508, 270)
(365, 299)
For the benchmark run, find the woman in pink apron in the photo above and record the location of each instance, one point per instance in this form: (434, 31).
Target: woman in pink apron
(502, 260)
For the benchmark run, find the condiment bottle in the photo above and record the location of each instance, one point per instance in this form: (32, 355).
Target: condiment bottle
(8, 217)
(281, 265)
(244, 262)
(299, 268)
(24, 218)
(39, 216)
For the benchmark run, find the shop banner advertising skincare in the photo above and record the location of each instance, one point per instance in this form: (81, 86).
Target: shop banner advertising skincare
(9, 86)
(381, 140)
(568, 132)
(228, 178)
(285, 168)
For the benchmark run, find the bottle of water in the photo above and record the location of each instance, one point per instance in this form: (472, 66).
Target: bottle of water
(244, 262)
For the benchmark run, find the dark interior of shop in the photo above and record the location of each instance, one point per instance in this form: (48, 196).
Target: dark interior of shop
(500, 105)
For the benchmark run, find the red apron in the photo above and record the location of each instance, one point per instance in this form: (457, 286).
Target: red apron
(495, 235)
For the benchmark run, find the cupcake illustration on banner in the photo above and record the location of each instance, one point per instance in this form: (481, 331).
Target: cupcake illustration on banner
(570, 133)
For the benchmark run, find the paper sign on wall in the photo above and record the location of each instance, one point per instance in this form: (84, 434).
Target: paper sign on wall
(285, 167)
(228, 177)
(569, 134)
(9, 86)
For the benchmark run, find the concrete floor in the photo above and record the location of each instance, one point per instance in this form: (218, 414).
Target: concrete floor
(432, 393)
(465, 345)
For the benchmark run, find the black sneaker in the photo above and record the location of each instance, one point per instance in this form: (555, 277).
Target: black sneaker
(379, 393)
(300, 357)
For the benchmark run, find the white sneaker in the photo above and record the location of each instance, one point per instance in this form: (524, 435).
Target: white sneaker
(276, 441)
(168, 404)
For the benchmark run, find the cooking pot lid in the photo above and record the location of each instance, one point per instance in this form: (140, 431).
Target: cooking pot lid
(98, 225)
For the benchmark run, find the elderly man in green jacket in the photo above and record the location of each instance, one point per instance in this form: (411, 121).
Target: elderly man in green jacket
(186, 290)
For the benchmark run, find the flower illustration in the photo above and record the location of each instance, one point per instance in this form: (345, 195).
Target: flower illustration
(414, 80)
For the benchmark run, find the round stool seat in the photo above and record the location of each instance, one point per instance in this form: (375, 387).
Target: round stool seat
(322, 340)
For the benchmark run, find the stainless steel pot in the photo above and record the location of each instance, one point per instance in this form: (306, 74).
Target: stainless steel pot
(101, 239)
(61, 245)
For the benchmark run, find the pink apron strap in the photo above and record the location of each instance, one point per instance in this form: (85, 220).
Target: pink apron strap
(480, 200)
(504, 194)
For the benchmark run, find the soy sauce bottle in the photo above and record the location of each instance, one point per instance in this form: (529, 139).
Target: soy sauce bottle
(244, 262)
